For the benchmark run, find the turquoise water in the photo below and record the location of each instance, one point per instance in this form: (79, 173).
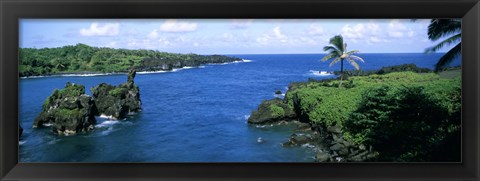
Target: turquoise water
(190, 115)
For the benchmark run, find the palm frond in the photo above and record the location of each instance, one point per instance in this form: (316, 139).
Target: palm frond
(354, 57)
(335, 61)
(353, 63)
(329, 56)
(337, 41)
(352, 52)
(448, 57)
(454, 39)
(329, 48)
(442, 27)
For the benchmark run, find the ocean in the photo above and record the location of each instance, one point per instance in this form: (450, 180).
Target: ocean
(195, 114)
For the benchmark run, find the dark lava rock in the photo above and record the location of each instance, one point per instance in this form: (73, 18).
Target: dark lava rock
(118, 101)
(334, 129)
(271, 111)
(303, 126)
(68, 111)
(322, 157)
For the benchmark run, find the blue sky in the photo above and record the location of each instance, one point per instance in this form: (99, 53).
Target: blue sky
(229, 36)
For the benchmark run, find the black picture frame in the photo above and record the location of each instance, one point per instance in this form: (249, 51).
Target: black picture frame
(12, 10)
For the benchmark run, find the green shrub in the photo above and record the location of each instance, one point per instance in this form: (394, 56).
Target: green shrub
(277, 111)
(406, 124)
(117, 92)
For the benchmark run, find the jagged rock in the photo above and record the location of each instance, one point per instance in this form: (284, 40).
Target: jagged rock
(68, 111)
(118, 101)
(271, 111)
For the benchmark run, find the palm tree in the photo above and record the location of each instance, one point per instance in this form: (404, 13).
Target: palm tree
(337, 50)
(439, 28)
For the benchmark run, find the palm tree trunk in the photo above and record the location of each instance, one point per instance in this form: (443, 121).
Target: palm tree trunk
(341, 73)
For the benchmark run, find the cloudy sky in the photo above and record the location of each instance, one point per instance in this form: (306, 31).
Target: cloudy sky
(228, 36)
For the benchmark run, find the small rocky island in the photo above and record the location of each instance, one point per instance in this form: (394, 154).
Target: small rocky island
(70, 111)
(118, 101)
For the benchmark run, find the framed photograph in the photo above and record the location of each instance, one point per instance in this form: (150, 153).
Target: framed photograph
(228, 90)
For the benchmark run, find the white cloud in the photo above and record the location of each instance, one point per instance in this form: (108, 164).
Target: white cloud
(315, 29)
(369, 33)
(353, 32)
(275, 35)
(360, 30)
(397, 29)
(278, 33)
(153, 34)
(108, 29)
(174, 26)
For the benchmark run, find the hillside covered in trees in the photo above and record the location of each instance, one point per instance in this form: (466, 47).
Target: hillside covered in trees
(82, 58)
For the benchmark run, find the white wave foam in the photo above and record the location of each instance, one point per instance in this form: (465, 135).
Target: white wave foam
(279, 95)
(107, 131)
(21, 142)
(52, 142)
(152, 72)
(107, 117)
(246, 116)
(308, 145)
(47, 124)
(320, 73)
(71, 75)
(244, 60)
(84, 75)
(106, 124)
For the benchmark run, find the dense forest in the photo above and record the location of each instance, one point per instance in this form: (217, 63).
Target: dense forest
(82, 58)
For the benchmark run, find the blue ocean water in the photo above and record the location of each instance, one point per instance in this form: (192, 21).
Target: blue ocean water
(190, 115)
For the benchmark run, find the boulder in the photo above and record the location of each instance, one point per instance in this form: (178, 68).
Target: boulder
(270, 111)
(68, 111)
(118, 101)
(322, 157)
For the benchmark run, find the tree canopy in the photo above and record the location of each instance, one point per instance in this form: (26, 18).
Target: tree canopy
(84, 58)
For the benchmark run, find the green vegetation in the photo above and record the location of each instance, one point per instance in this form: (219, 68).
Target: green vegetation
(277, 111)
(440, 28)
(65, 114)
(407, 124)
(83, 58)
(117, 92)
(405, 116)
(385, 70)
(337, 50)
(70, 90)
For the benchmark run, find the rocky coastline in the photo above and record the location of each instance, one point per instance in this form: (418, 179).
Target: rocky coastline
(320, 110)
(327, 142)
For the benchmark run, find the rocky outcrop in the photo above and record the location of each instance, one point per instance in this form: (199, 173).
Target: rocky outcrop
(118, 101)
(68, 111)
(271, 111)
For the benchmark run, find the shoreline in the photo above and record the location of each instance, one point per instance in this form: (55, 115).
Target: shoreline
(91, 74)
